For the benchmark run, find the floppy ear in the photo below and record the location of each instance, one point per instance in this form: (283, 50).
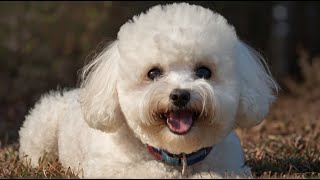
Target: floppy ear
(256, 86)
(99, 98)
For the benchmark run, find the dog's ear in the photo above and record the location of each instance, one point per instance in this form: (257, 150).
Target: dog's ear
(99, 98)
(256, 86)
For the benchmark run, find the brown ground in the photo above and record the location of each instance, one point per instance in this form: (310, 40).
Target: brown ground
(287, 143)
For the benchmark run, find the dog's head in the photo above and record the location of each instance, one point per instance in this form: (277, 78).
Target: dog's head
(179, 77)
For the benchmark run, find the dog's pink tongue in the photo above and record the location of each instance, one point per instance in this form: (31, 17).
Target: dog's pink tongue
(179, 121)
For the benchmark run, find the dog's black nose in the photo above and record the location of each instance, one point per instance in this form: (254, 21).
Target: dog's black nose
(180, 97)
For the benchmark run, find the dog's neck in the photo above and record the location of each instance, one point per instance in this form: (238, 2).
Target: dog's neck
(183, 160)
(177, 159)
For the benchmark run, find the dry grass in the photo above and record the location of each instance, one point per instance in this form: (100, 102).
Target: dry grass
(287, 143)
(310, 88)
(12, 167)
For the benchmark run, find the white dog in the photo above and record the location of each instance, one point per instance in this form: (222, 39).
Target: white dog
(162, 101)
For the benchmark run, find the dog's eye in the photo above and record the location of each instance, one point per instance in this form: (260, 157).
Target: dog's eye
(154, 73)
(203, 72)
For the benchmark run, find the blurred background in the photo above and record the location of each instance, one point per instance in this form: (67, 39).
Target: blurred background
(43, 45)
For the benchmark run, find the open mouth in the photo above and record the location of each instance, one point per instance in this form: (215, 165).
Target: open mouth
(179, 121)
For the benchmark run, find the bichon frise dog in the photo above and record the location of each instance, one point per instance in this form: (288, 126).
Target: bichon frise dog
(162, 101)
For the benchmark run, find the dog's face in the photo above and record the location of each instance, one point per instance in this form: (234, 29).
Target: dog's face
(176, 95)
(179, 82)
(179, 104)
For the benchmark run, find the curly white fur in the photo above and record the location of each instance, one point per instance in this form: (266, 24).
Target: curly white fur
(103, 126)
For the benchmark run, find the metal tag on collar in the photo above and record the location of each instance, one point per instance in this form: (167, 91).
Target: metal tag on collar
(184, 164)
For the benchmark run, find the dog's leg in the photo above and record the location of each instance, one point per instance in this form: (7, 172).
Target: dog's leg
(143, 169)
(226, 160)
(38, 135)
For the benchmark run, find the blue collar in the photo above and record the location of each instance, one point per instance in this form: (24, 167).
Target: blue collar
(175, 159)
